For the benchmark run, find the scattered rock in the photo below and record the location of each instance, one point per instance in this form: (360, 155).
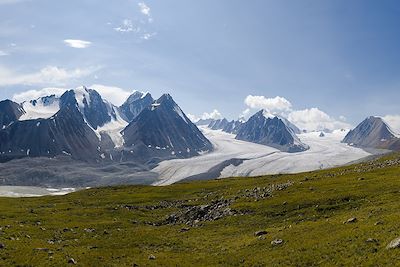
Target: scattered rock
(152, 257)
(378, 223)
(351, 220)
(185, 229)
(361, 178)
(72, 261)
(192, 215)
(260, 233)
(372, 240)
(395, 243)
(276, 242)
(2, 246)
(89, 230)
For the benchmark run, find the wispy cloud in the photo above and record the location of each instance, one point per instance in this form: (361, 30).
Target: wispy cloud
(75, 43)
(3, 53)
(145, 10)
(148, 36)
(127, 26)
(49, 75)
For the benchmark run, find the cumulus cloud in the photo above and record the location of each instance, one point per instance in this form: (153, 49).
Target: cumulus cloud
(115, 95)
(51, 75)
(393, 121)
(75, 43)
(215, 115)
(314, 119)
(276, 104)
(34, 94)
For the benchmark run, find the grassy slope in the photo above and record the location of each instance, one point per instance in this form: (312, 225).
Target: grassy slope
(311, 223)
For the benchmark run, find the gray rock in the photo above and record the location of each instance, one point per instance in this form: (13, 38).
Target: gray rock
(152, 257)
(2, 246)
(395, 243)
(276, 242)
(351, 220)
(260, 233)
(72, 261)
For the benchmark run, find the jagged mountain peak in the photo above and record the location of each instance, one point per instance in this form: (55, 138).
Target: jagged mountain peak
(270, 131)
(371, 132)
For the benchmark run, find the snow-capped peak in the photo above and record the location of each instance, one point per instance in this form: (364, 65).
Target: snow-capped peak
(40, 108)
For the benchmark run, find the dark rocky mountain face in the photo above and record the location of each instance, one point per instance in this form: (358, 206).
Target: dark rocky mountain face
(9, 112)
(372, 132)
(218, 124)
(135, 104)
(233, 127)
(205, 122)
(64, 133)
(271, 132)
(163, 130)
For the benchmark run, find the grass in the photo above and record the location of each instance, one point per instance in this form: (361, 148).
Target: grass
(308, 216)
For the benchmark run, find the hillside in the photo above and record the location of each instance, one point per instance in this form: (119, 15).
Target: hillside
(344, 216)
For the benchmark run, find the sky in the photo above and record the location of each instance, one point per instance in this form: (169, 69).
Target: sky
(322, 64)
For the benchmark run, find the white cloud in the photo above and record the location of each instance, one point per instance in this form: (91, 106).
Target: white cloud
(144, 8)
(215, 115)
(276, 104)
(393, 121)
(3, 53)
(75, 43)
(148, 36)
(245, 113)
(34, 94)
(127, 26)
(50, 75)
(314, 119)
(115, 95)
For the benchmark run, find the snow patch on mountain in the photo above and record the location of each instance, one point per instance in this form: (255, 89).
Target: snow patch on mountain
(41, 108)
(113, 129)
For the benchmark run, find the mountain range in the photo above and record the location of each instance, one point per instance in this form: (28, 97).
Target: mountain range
(83, 125)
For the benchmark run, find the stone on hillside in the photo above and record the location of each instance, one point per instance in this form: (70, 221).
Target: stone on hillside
(395, 243)
(276, 242)
(72, 261)
(260, 233)
(351, 220)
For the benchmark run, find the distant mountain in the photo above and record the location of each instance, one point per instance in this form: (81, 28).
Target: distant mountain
(65, 133)
(218, 124)
(84, 126)
(9, 112)
(233, 126)
(372, 132)
(205, 122)
(270, 131)
(225, 125)
(135, 103)
(163, 130)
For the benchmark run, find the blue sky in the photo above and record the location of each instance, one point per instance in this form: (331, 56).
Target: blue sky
(336, 58)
